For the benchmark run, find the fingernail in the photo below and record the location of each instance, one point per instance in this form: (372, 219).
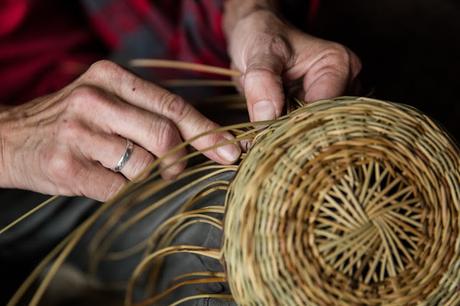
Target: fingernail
(229, 152)
(263, 110)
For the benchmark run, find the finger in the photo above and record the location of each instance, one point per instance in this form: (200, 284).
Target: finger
(237, 80)
(326, 85)
(108, 150)
(152, 98)
(354, 84)
(263, 87)
(99, 183)
(155, 133)
(330, 76)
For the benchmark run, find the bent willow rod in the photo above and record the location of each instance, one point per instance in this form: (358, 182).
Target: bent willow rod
(348, 201)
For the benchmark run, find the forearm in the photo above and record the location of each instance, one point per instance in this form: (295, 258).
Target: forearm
(236, 10)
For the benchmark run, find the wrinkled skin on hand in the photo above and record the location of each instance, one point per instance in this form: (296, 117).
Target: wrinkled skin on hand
(271, 54)
(67, 143)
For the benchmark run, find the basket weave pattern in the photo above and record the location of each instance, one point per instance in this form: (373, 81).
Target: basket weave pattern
(353, 201)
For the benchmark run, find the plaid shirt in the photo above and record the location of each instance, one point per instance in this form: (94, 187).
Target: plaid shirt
(44, 44)
(175, 29)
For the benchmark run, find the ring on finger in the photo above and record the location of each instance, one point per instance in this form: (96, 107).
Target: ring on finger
(125, 157)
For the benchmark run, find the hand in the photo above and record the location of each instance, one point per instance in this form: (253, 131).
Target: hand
(272, 54)
(68, 142)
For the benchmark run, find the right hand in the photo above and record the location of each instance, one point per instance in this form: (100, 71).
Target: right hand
(68, 142)
(272, 55)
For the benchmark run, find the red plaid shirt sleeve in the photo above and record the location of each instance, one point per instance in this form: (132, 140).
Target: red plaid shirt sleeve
(44, 46)
(186, 30)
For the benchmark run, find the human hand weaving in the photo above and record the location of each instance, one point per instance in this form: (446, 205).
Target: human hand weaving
(71, 141)
(337, 201)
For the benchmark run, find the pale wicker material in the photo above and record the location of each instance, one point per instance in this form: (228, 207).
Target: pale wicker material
(350, 201)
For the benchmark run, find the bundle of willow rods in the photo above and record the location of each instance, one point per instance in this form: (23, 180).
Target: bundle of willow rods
(350, 201)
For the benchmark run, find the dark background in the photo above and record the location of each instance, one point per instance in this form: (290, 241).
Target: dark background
(410, 50)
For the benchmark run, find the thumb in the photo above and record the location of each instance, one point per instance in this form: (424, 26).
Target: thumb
(263, 87)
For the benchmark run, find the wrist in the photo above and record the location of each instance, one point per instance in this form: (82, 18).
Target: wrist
(236, 10)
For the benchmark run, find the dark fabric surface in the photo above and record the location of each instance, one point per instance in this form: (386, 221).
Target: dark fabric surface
(23, 246)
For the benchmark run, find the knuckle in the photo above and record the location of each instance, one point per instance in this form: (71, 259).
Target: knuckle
(269, 44)
(338, 56)
(101, 70)
(142, 162)
(271, 57)
(278, 46)
(62, 167)
(208, 125)
(83, 97)
(102, 66)
(338, 50)
(173, 105)
(133, 81)
(257, 74)
(166, 134)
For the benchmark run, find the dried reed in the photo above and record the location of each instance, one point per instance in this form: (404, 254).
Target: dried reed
(350, 201)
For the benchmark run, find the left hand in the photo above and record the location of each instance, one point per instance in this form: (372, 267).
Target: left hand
(271, 54)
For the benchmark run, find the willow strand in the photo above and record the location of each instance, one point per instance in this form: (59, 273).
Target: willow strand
(344, 201)
(28, 214)
(157, 63)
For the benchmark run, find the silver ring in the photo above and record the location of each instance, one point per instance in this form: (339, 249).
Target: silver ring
(125, 157)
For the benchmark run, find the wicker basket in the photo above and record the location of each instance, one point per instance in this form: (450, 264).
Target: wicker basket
(352, 201)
